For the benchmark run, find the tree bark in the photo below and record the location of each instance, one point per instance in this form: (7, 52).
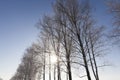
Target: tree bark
(84, 57)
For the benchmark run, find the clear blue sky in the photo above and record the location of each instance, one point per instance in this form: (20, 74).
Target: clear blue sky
(17, 32)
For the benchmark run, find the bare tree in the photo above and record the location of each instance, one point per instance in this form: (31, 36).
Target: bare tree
(67, 39)
(72, 27)
(70, 10)
(30, 66)
(49, 28)
(74, 38)
(76, 18)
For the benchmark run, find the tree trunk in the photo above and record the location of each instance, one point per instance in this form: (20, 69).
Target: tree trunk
(94, 59)
(69, 70)
(49, 67)
(54, 72)
(44, 68)
(84, 57)
(58, 63)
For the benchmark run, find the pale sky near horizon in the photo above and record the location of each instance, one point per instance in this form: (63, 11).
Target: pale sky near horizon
(17, 32)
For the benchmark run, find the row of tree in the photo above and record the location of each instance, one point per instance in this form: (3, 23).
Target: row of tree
(72, 35)
(30, 65)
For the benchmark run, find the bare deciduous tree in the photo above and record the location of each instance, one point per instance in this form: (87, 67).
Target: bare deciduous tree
(78, 25)
(30, 66)
(72, 35)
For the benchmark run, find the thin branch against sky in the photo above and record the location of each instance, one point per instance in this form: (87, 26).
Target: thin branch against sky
(17, 32)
